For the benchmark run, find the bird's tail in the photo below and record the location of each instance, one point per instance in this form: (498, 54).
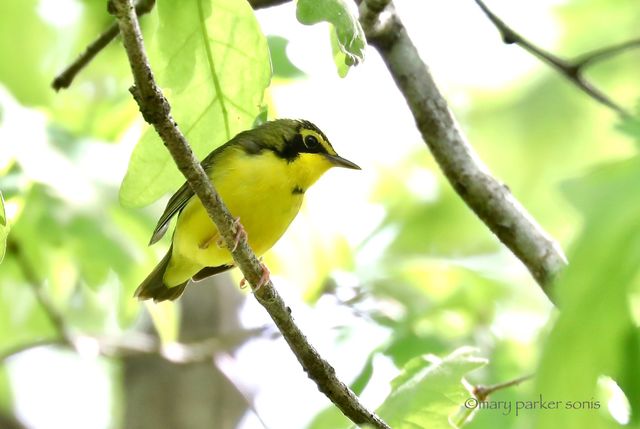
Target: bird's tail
(153, 286)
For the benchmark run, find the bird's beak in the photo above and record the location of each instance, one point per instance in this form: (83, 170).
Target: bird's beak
(339, 161)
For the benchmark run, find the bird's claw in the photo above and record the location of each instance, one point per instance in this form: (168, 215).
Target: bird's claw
(240, 233)
(264, 278)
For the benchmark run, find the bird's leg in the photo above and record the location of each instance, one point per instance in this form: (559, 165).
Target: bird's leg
(240, 232)
(263, 279)
(205, 244)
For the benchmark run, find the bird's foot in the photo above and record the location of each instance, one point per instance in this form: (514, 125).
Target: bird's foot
(240, 233)
(205, 244)
(264, 278)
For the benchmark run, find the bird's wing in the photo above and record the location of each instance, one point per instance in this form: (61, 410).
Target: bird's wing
(175, 204)
(183, 195)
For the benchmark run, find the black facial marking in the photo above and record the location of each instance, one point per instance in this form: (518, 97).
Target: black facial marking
(294, 147)
(290, 149)
(297, 190)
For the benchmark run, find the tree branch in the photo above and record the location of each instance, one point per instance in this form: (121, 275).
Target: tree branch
(572, 71)
(487, 197)
(156, 110)
(66, 77)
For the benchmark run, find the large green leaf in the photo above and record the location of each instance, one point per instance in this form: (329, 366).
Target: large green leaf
(348, 40)
(429, 391)
(594, 327)
(212, 60)
(27, 37)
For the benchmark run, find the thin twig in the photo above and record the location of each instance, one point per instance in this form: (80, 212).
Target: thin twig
(66, 77)
(156, 110)
(482, 392)
(572, 71)
(487, 197)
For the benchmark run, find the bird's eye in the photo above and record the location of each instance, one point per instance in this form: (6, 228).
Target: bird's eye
(311, 141)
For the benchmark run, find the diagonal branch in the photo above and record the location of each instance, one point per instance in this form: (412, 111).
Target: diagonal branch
(156, 110)
(491, 200)
(572, 71)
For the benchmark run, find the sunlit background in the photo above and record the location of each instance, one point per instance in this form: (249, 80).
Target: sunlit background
(381, 265)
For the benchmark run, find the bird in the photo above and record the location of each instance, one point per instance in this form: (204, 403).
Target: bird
(261, 175)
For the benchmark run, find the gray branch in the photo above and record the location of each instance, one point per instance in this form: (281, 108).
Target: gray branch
(156, 110)
(491, 200)
(572, 71)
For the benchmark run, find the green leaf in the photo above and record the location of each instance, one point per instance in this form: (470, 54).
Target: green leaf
(28, 37)
(348, 35)
(212, 60)
(339, 57)
(282, 65)
(364, 377)
(4, 229)
(330, 418)
(631, 127)
(6, 395)
(429, 391)
(592, 330)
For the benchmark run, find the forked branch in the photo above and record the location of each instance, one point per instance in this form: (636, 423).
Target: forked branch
(571, 70)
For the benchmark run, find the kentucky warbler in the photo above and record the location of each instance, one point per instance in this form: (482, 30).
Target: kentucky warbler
(261, 175)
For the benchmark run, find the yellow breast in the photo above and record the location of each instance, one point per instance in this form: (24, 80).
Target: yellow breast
(264, 191)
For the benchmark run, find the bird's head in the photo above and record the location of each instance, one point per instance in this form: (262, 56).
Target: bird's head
(304, 147)
(304, 139)
(293, 139)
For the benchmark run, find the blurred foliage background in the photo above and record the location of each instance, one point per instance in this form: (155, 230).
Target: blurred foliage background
(388, 273)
